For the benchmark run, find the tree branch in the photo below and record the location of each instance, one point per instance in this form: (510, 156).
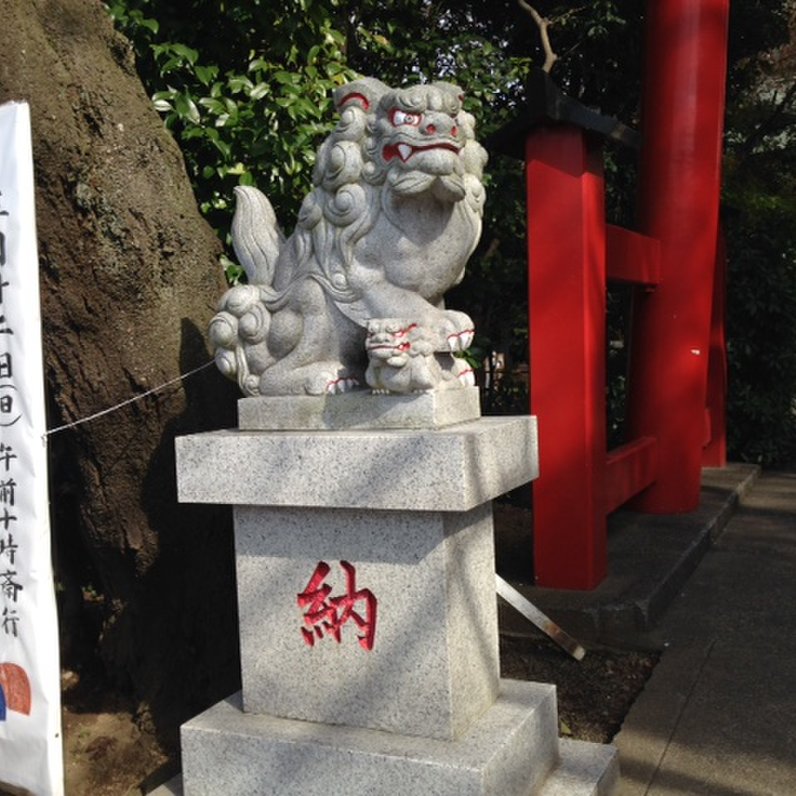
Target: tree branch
(543, 24)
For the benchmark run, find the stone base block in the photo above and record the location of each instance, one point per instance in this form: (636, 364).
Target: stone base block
(586, 769)
(359, 410)
(510, 750)
(432, 665)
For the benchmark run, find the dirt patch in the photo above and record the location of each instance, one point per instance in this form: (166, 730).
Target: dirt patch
(594, 694)
(106, 753)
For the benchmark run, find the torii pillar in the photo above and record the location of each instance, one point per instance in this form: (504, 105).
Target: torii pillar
(682, 123)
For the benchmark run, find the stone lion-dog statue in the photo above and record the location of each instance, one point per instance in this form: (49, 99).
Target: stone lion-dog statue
(394, 214)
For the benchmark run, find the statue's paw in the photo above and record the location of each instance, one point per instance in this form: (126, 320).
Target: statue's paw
(461, 341)
(226, 362)
(466, 377)
(331, 381)
(341, 385)
(233, 364)
(456, 373)
(458, 330)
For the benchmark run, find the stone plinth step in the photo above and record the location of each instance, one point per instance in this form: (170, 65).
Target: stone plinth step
(359, 410)
(586, 769)
(171, 788)
(509, 751)
(449, 469)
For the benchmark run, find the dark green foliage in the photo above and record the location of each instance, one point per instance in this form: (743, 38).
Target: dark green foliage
(762, 336)
(760, 223)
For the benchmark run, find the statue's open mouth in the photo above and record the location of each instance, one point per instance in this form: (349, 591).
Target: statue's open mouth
(405, 151)
(398, 348)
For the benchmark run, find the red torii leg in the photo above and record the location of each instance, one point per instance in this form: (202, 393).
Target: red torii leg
(566, 249)
(682, 122)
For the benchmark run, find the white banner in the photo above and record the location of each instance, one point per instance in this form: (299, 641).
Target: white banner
(30, 705)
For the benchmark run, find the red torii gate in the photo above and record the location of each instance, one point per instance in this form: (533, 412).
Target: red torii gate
(675, 420)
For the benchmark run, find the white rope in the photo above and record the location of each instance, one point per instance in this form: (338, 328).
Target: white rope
(135, 398)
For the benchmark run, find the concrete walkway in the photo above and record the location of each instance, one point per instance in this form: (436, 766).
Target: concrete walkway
(718, 715)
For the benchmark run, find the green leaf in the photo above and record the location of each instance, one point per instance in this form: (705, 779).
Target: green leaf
(186, 109)
(238, 83)
(206, 74)
(188, 53)
(286, 78)
(213, 105)
(149, 24)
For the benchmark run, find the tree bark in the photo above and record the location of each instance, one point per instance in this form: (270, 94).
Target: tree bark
(129, 277)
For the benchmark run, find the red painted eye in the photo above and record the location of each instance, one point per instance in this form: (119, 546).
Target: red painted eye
(400, 118)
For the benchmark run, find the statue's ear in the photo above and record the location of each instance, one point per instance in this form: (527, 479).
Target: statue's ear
(364, 93)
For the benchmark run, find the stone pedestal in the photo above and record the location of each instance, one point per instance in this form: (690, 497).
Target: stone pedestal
(368, 620)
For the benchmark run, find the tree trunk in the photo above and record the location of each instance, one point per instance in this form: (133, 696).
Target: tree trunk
(129, 276)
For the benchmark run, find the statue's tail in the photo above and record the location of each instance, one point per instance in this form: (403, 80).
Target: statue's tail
(239, 330)
(256, 235)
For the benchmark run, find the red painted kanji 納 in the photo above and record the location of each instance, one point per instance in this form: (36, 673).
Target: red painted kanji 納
(326, 615)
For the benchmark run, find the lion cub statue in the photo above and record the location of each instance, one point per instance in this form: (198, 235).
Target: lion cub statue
(394, 214)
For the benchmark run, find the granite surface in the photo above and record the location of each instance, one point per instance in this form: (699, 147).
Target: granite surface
(359, 410)
(508, 752)
(585, 769)
(433, 667)
(450, 469)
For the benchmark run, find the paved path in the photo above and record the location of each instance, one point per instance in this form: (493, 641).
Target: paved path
(718, 715)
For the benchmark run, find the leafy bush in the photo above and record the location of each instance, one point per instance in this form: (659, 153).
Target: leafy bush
(761, 234)
(760, 224)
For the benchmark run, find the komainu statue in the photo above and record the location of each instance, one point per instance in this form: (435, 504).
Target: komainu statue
(394, 214)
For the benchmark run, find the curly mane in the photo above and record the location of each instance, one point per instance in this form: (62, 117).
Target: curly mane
(351, 180)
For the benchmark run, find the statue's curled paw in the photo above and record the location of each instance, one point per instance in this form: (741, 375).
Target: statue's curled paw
(457, 331)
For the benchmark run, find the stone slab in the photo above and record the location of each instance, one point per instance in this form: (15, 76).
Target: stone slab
(434, 666)
(359, 410)
(585, 769)
(450, 469)
(508, 752)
